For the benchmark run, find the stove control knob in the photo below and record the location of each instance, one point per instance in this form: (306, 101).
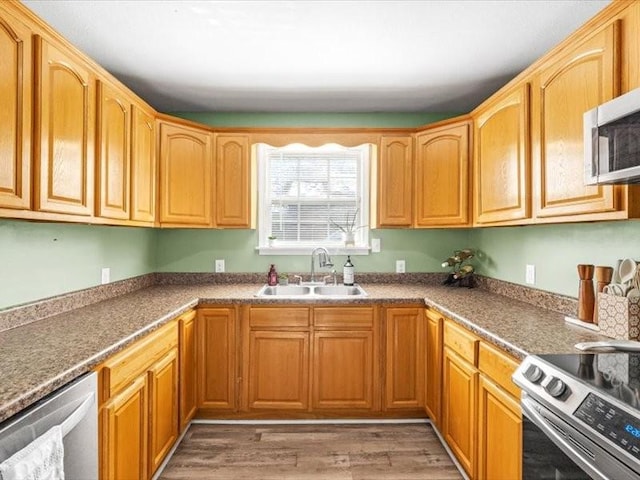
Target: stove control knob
(555, 387)
(533, 373)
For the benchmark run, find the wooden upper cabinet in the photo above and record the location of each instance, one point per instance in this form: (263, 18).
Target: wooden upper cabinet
(15, 114)
(233, 181)
(442, 176)
(502, 166)
(143, 165)
(571, 83)
(185, 175)
(394, 188)
(64, 131)
(114, 159)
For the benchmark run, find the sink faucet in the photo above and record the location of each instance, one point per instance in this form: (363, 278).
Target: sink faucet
(324, 260)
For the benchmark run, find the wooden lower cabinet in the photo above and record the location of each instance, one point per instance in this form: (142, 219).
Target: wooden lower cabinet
(138, 397)
(216, 361)
(405, 357)
(278, 370)
(188, 362)
(163, 408)
(124, 434)
(434, 365)
(343, 370)
(460, 382)
(499, 433)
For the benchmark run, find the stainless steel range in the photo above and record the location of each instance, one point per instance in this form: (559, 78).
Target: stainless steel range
(581, 416)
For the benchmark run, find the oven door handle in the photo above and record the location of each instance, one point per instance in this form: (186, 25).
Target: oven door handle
(529, 409)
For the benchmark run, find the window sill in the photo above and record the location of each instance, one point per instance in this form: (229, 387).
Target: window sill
(306, 250)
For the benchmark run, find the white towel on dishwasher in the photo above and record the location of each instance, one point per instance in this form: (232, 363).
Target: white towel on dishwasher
(42, 459)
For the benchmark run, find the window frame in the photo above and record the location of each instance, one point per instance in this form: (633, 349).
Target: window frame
(305, 248)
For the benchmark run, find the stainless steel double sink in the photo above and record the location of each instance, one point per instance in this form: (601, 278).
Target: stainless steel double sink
(315, 291)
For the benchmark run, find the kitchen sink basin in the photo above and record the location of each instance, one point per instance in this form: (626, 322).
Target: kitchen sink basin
(339, 290)
(283, 290)
(311, 291)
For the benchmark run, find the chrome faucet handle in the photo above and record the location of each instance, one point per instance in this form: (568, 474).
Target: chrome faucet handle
(299, 277)
(332, 275)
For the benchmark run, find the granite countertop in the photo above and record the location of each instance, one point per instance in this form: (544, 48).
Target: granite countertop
(38, 358)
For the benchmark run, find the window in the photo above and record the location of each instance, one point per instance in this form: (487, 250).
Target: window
(308, 196)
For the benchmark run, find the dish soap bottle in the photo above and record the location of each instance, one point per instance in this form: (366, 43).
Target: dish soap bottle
(348, 272)
(272, 276)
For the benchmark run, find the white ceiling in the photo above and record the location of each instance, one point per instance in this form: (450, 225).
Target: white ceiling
(315, 56)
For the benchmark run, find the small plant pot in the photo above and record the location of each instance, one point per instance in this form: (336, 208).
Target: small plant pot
(284, 281)
(349, 239)
(271, 241)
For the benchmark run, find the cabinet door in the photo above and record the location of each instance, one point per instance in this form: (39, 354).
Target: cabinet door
(442, 176)
(233, 181)
(185, 175)
(395, 184)
(502, 169)
(499, 433)
(15, 114)
(279, 370)
(188, 399)
(335, 386)
(163, 408)
(143, 166)
(124, 434)
(578, 81)
(64, 132)
(114, 123)
(460, 382)
(216, 329)
(405, 360)
(434, 365)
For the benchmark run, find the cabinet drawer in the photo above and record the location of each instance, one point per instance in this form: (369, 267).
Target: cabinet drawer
(279, 317)
(349, 317)
(121, 369)
(460, 341)
(498, 367)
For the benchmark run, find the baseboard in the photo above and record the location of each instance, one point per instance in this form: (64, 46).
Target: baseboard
(450, 453)
(170, 454)
(312, 421)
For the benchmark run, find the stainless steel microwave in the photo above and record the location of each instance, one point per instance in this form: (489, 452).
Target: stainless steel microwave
(612, 141)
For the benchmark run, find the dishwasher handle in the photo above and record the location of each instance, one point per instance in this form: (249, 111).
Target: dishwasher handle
(78, 414)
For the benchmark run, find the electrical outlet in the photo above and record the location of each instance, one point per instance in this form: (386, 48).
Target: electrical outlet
(106, 275)
(530, 274)
(220, 266)
(375, 245)
(400, 266)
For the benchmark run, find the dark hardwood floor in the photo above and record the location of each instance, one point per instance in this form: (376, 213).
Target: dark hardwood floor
(311, 452)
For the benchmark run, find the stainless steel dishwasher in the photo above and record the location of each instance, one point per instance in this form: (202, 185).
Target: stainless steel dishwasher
(73, 406)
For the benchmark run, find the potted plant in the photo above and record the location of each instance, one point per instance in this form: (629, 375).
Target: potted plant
(348, 228)
(283, 279)
(271, 240)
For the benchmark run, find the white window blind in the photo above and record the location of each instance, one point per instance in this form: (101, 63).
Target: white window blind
(307, 192)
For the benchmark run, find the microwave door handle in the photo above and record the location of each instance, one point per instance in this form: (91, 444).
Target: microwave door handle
(555, 437)
(591, 168)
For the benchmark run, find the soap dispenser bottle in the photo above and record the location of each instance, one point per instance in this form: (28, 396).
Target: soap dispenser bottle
(272, 276)
(348, 272)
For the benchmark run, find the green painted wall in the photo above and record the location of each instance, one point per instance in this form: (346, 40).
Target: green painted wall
(39, 260)
(263, 119)
(555, 250)
(196, 250)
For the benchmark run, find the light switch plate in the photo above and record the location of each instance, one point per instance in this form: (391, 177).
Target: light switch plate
(400, 266)
(375, 245)
(220, 266)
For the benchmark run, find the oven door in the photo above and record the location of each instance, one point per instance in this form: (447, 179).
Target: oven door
(555, 450)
